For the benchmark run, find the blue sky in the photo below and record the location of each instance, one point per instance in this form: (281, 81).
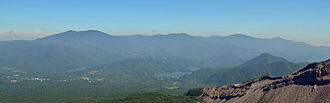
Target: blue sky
(299, 20)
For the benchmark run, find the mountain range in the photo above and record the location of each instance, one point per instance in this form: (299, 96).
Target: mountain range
(73, 49)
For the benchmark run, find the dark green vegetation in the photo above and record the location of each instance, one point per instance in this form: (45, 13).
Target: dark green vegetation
(105, 81)
(153, 98)
(194, 92)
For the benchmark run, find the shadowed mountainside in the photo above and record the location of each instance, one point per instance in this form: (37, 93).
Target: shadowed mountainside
(264, 64)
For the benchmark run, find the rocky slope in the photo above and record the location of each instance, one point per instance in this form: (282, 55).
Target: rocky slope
(310, 84)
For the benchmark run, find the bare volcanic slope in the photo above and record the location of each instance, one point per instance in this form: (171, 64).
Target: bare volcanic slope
(310, 84)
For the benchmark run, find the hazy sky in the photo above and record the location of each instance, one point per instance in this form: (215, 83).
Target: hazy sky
(299, 20)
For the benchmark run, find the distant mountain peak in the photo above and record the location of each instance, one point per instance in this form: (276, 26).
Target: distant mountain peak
(239, 36)
(278, 38)
(179, 34)
(264, 58)
(95, 31)
(80, 32)
(69, 31)
(175, 35)
(78, 35)
(266, 55)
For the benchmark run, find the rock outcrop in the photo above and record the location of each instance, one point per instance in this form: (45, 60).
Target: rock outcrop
(310, 84)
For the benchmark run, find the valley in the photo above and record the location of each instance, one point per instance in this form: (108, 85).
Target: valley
(124, 78)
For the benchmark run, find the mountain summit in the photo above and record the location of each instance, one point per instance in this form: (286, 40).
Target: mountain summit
(77, 38)
(243, 36)
(264, 58)
(71, 35)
